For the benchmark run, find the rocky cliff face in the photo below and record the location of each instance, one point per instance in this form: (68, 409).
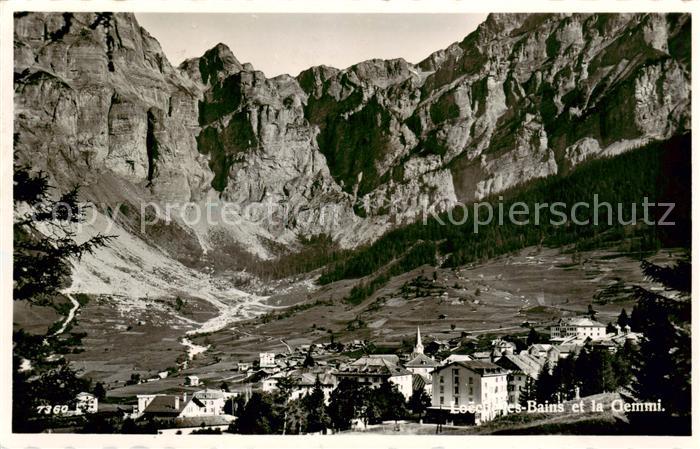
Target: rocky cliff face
(346, 152)
(94, 92)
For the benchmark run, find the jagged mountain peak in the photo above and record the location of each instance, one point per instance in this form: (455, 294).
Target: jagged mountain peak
(214, 65)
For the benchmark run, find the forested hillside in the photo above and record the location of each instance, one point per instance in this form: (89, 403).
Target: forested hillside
(659, 172)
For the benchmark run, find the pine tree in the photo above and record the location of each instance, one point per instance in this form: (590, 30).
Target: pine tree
(594, 368)
(662, 368)
(419, 402)
(45, 237)
(285, 386)
(610, 328)
(309, 359)
(259, 416)
(533, 337)
(546, 387)
(527, 392)
(44, 246)
(315, 405)
(389, 402)
(622, 364)
(296, 417)
(565, 378)
(99, 391)
(623, 320)
(346, 403)
(591, 312)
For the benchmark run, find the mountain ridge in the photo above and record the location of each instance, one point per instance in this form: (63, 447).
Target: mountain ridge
(522, 97)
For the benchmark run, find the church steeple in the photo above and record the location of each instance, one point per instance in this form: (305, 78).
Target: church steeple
(419, 345)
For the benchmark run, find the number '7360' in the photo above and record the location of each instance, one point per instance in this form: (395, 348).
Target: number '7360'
(51, 409)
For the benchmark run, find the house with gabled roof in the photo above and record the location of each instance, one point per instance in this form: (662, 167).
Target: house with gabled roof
(421, 364)
(85, 403)
(581, 327)
(523, 370)
(375, 369)
(206, 402)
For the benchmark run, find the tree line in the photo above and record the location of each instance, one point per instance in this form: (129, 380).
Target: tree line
(277, 413)
(659, 171)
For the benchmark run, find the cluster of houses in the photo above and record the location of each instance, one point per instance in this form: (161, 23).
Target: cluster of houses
(207, 407)
(462, 388)
(493, 381)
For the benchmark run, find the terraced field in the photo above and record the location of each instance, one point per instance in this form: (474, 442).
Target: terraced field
(497, 297)
(537, 286)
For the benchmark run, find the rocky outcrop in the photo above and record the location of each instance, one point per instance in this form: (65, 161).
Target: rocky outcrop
(517, 99)
(94, 92)
(347, 152)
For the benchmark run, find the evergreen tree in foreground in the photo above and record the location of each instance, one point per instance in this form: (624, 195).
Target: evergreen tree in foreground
(596, 372)
(346, 404)
(44, 236)
(43, 247)
(315, 406)
(662, 368)
(527, 391)
(419, 402)
(258, 416)
(546, 388)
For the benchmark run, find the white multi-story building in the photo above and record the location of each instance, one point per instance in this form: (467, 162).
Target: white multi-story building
(473, 386)
(85, 403)
(579, 327)
(267, 360)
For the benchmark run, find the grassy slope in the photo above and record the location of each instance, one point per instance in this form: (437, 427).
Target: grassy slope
(535, 285)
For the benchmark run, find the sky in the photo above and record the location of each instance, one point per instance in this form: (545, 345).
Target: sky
(290, 43)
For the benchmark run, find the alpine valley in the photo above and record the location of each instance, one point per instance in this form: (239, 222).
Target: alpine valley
(528, 106)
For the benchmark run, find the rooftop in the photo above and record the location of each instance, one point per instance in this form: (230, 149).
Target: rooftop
(164, 405)
(419, 382)
(457, 358)
(209, 394)
(521, 362)
(375, 365)
(480, 367)
(580, 321)
(421, 360)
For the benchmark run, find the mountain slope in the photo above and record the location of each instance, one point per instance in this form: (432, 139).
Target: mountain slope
(350, 153)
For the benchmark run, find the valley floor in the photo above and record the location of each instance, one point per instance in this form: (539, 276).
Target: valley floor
(145, 335)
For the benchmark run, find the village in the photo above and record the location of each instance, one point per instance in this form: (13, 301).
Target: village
(447, 387)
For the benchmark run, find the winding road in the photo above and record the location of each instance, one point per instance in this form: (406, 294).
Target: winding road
(71, 314)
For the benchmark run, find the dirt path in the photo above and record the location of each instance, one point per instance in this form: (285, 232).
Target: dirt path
(71, 314)
(192, 349)
(288, 347)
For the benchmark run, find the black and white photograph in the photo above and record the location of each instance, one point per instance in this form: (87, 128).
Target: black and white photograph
(230, 222)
